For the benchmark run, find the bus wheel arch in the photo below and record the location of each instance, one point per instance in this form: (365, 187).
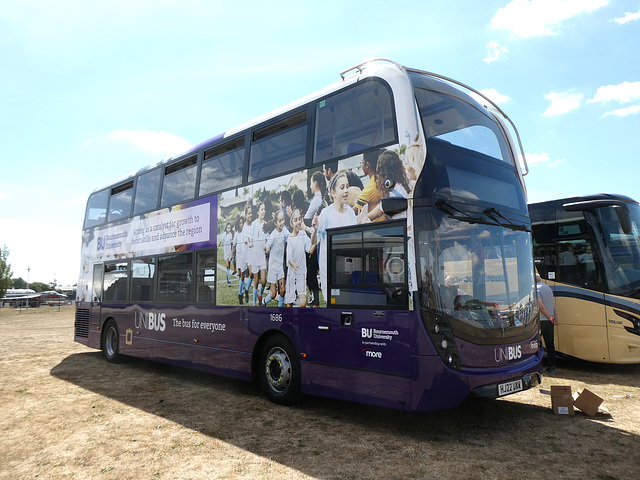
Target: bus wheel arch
(110, 341)
(277, 369)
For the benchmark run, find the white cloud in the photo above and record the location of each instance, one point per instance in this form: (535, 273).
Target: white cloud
(153, 142)
(535, 159)
(530, 18)
(562, 103)
(3, 195)
(624, 92)
(628, 17)
(623, 112)
(496, 51)
(494, 95)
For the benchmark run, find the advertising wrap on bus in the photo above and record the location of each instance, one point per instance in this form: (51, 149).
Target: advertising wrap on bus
(369, 242)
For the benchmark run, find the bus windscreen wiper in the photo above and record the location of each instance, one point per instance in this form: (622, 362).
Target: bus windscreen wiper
(445, 207)
(492, 213)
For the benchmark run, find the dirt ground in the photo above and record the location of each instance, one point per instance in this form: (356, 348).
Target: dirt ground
(66, 413)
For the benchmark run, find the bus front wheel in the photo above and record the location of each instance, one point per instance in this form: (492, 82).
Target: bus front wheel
(280, 371)
(111, 342)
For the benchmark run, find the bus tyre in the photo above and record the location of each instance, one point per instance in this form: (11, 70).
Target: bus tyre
(280, 371)
(111, 342)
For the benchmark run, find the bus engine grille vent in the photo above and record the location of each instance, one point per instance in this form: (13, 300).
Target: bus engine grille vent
(82, 322)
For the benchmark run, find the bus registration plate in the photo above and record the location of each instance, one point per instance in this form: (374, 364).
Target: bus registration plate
(509, 387)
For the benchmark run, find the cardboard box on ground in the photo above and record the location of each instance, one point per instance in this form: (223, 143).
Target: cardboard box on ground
(563, 400)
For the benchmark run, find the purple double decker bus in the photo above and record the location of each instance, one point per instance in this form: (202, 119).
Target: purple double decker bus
(369, 242)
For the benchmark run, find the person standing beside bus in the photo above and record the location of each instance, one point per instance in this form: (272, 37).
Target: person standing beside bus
(548, 320)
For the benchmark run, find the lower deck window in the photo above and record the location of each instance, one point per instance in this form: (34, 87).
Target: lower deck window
(368, 267)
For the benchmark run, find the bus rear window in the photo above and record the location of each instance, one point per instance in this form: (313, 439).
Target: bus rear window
(96, 209)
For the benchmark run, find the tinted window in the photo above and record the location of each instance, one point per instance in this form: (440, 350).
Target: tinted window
(206, 277)
(222, 167)
(368, 267)
(354, 120)
(279, 148)
(179, 182)
(147, 192)
(143, 273)
(96, 209)
(175, 278)
(115, 282)
(120, 203)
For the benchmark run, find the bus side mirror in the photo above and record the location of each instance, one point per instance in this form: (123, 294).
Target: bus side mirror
(394, 205)
(624, 217)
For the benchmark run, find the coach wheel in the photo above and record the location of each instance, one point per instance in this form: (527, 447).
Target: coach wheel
(280, 371)
(111, 342)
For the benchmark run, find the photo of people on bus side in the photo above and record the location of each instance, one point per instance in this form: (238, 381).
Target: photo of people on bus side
(277, 229)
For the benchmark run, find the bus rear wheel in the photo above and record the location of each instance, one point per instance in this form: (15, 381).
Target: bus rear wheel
(280, 371)
(111, 342)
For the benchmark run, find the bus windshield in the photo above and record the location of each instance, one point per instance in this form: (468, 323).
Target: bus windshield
(478, 275)
(621, 255)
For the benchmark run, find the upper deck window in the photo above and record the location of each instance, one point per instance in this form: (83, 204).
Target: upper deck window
(147, 191)
(354, 120)
(222, 167)
(279, 148)
(462, 123)
(121, 199)
(179, 182)
(96, 209)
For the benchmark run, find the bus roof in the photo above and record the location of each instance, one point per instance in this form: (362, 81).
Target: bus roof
(596, 196)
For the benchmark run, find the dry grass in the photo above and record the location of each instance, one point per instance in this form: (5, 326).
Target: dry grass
(66, 413)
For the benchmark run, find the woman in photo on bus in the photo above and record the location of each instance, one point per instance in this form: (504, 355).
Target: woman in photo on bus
(257, 259)
(275, 248)
(298, 245)
(337, 214)
(391, 181)
(241, 254)
(318, 187)
(226, 241)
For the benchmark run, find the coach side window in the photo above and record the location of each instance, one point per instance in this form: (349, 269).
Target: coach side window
(279, 148)
(222, 167)
(143, 272)
(179, 182)
(147, 191)
(115, 283)
(121, 200)
(368, 267)
(354, 120)
(175, 275)
(96, 209)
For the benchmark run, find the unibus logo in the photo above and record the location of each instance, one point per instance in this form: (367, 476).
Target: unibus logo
(151, 321)
(367, 333)
(371, 354)
(508, 353)
(100, 243)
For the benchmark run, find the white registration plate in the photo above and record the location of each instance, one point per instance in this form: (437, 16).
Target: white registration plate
(509, 387)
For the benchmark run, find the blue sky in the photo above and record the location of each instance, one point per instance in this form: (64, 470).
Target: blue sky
(90, 91)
